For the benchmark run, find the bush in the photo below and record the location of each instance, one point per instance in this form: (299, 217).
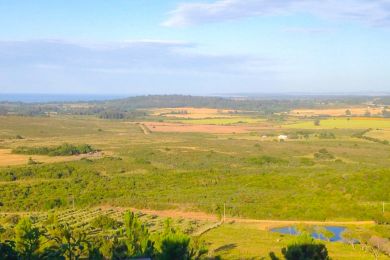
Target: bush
(326, 135)
(105, 222)
(175, 247)
(323, 154)
(305, 249)
(62, 150)
(266, 160)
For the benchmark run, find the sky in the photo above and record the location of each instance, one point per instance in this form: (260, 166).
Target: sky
(134, 47)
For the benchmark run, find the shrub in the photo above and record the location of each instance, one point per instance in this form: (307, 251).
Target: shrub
(62, 150)
(323, 154)
(305, 249)
(267, 160)
(105, 222)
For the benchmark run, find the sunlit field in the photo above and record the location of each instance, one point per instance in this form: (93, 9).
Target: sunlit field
(342, 123)
(253, 174)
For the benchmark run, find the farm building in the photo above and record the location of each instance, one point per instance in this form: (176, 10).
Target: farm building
(282, 138)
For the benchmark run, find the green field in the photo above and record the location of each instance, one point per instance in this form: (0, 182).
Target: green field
(342, 123)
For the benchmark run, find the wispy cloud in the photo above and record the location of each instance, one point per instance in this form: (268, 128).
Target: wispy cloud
(56, 63)
(374, 12)
(145, 55)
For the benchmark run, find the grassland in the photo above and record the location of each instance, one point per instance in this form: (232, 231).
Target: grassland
(202, 171)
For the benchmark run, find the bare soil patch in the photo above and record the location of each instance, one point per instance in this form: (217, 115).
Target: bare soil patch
(7, 158)
(187, 128)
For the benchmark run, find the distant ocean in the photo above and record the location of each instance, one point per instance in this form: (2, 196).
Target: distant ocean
(43, 98)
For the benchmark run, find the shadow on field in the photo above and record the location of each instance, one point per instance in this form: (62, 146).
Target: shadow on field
(225, 247)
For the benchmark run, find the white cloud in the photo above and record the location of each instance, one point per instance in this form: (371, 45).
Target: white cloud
(55, 65)
(145, 55)
(374, 12)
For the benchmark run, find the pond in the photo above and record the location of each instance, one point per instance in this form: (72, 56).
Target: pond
(317, 234)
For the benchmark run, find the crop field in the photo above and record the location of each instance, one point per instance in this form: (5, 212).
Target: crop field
(81, 219)
(382, 134)
(200, 128)
(355, 111)
(193, 113)
(220, 121)
(194, 175)
(342, 123)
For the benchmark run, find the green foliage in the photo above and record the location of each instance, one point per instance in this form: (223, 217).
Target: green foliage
(62, 241)
(105, 222)
(8, 251)
(62, 150)
(67, 243)
(327, 135)
(27, 239)
(137, 237)
(305, 249)
(175, 247)
(267, 160)
(323, 154)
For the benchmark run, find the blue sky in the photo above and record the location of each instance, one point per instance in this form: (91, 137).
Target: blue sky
(194, 47)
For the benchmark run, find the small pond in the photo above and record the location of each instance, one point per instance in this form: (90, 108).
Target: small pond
(336, 231)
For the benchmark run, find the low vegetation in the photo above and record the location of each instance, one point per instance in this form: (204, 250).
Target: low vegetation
(62, 150)
(231, 166)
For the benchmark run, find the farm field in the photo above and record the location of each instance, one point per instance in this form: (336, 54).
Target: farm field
(7, 158)
(382, 134)
(186, 127)
(194, 113)
(355, 111)
(220, 121)
(342, 123)
(191, 175)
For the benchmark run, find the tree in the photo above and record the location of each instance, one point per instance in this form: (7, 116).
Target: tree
(348, 112)
(175, 247)
(317, 122)
(137, 237)
(67, 243)
(305, 249)
(7, 250)
(27, 238)
(349, 236)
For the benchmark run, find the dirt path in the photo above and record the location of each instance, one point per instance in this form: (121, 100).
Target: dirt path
(144, 129)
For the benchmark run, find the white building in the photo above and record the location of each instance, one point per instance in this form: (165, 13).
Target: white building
(282, 138)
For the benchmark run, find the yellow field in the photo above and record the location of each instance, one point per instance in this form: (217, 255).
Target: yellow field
(343, 123)
(8, 159)
(191, 112)
(382, 134)
(355, 111)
